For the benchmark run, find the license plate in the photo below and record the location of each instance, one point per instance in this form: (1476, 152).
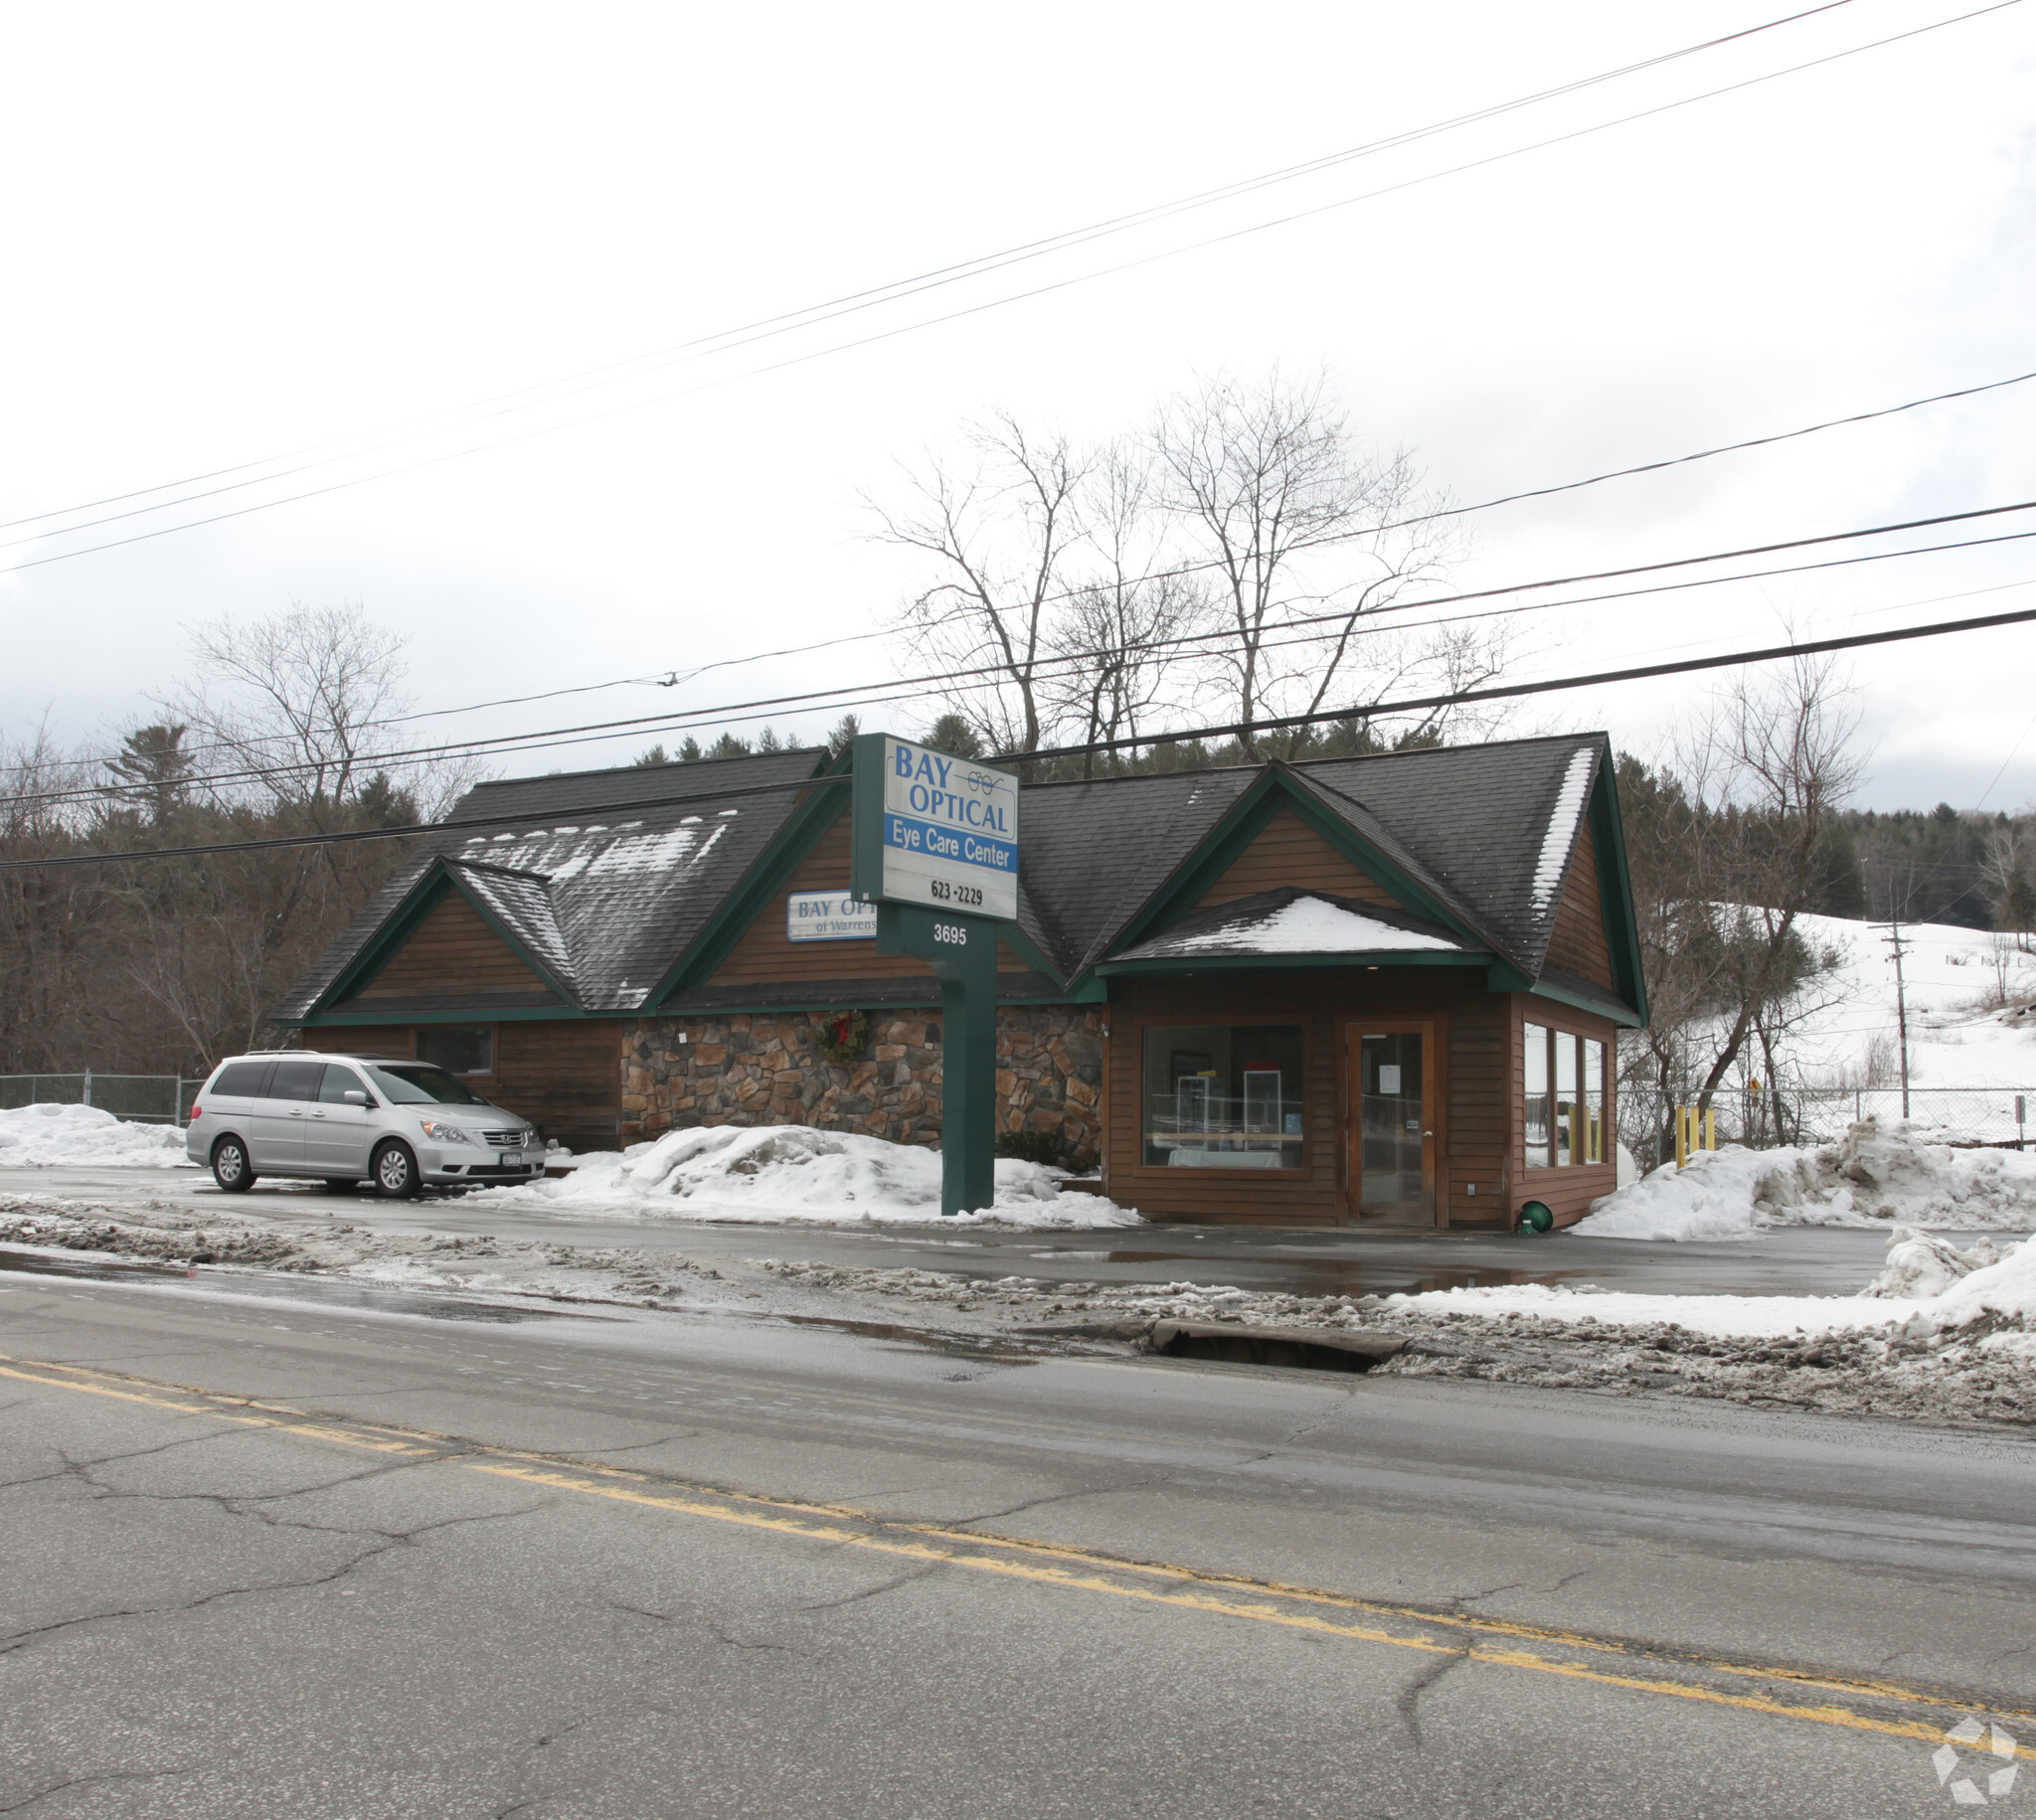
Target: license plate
(509, 1157)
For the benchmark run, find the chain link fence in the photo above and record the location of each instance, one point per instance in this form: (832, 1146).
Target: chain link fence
(1995, 1116)
(144, 1099)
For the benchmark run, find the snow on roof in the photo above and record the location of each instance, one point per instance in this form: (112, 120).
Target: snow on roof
(1562, 828)
(1303, 923)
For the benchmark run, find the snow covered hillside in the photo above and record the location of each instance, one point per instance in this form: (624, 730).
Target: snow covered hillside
(1955, 1040)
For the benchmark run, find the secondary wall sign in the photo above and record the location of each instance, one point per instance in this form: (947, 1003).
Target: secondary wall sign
(828, 916)
(935, 830)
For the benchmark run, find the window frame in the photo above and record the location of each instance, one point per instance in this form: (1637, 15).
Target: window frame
(1170, 1171)
(1572, 1130)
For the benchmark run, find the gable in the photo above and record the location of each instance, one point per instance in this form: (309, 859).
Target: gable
(766, 955)
(1286, 851)
(1578, 944)
(451, 951)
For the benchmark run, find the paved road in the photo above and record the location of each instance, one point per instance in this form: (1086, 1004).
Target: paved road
(1801, 1260)
(639, 1566)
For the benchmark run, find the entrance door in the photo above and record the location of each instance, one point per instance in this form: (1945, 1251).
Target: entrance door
(1392, 1122)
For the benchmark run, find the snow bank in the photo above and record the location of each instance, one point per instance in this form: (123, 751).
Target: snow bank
(51, 1136)
(776, 1173)
(1878, 1173)
(1927, 1287)
(1982, 1285)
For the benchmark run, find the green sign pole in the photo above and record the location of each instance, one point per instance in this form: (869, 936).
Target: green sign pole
(963, 953)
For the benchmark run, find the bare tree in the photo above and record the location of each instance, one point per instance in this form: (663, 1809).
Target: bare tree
(1296, 522)
(1001, 528)
(2009, 873)
(1116, 638)
(1726, 863)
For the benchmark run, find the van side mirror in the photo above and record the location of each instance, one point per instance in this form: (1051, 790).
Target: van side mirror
(355, 1097)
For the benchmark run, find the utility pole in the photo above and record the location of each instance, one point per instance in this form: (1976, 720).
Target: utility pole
(1900, 1006)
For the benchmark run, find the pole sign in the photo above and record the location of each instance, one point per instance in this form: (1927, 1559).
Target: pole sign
(933, 844)
(935, 830)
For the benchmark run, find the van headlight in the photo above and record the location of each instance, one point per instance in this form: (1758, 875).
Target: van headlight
(441, 1133)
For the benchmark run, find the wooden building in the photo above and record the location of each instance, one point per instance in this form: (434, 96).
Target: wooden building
(1382, 989)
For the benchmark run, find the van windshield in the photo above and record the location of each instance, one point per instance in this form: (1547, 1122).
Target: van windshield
(414, 1084)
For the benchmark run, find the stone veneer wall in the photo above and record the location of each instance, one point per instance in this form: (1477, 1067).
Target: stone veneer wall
(762, 1069)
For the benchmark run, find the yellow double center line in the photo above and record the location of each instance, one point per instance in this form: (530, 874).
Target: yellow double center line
(1855, 1705)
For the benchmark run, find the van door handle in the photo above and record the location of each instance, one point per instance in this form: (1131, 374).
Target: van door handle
(296, 1112)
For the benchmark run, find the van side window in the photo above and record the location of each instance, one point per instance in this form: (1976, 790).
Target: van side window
(297, 1079)
(242, 1080)
(339, 1083)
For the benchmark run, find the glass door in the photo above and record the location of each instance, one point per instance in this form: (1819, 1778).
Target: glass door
(1394, 1132)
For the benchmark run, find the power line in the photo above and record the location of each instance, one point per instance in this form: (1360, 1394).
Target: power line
(673, 678)
(808, 314)
(994, 303)
(1236, 730)
(852, 695)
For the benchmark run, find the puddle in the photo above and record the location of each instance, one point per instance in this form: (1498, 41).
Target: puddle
(280, 1288)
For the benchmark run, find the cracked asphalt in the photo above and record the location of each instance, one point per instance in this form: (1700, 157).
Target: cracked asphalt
(271, 1559)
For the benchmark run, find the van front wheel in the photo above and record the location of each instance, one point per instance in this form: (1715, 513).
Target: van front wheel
(396, 1173)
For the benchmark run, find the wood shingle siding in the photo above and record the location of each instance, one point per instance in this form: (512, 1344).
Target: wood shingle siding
(1286, 851)
(1578, 944)
(765, 954)
(452, 951)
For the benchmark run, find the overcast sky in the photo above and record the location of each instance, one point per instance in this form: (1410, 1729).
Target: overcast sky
(236, 231)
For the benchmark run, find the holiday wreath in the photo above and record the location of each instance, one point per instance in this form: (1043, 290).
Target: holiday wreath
(841, 1038)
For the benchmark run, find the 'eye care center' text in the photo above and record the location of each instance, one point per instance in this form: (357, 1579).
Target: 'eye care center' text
(915, 836)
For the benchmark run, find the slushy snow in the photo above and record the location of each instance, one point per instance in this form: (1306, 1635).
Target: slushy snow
(779, 1173)
(1878, 1174)
(52, 1136)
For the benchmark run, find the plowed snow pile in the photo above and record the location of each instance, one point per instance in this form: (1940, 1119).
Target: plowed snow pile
(1878, 1174)
(49, 1136)
(778, 1173)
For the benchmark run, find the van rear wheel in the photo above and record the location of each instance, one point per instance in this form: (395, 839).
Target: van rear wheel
(230, 1166)
(396, 1172)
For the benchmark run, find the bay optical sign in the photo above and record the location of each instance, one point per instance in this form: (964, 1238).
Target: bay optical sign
(828, 916)
(945, 831)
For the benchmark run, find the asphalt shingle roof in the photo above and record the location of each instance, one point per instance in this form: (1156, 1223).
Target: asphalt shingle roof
(608, 895)
(594, 869)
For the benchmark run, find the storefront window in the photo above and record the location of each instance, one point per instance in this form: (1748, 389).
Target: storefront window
(1564, 1098)
(1563, 1119)
(1224, 1095)
(1594, 1102)
(1534, 1060)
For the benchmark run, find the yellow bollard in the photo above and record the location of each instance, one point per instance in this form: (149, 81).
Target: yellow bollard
(1710, 1128)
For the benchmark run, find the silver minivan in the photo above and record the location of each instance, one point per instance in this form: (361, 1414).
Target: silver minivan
(402, 1126)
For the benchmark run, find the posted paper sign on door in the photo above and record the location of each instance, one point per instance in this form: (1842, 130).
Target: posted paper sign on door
(945, 829)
